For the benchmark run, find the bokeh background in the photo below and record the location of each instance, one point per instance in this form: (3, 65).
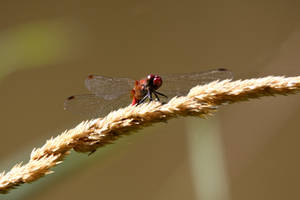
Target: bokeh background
(246, 151)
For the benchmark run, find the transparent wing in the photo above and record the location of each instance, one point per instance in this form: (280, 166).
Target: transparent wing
(90, 105)
(109, 88)
(180, 84)
(113, 93)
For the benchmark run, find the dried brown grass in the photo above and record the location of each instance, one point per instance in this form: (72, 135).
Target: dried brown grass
(89, 135)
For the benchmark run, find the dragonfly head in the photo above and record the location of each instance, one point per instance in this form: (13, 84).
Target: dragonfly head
(154, 80)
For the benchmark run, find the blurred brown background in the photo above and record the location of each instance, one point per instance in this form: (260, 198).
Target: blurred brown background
(246, 151)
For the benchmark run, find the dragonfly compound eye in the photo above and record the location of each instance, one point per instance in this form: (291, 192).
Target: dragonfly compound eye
(150, 77)
(157, 82)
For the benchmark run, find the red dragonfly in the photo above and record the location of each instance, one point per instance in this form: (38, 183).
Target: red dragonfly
(111, 93)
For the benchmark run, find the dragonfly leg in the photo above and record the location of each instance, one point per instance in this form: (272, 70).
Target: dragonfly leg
(149, 94)
(157, 98)
(155, 92)
(142, 100)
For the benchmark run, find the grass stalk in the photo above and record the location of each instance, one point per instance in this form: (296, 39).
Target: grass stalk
(89, 135)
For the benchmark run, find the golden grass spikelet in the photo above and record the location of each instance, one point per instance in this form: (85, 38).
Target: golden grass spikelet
(201, 101)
